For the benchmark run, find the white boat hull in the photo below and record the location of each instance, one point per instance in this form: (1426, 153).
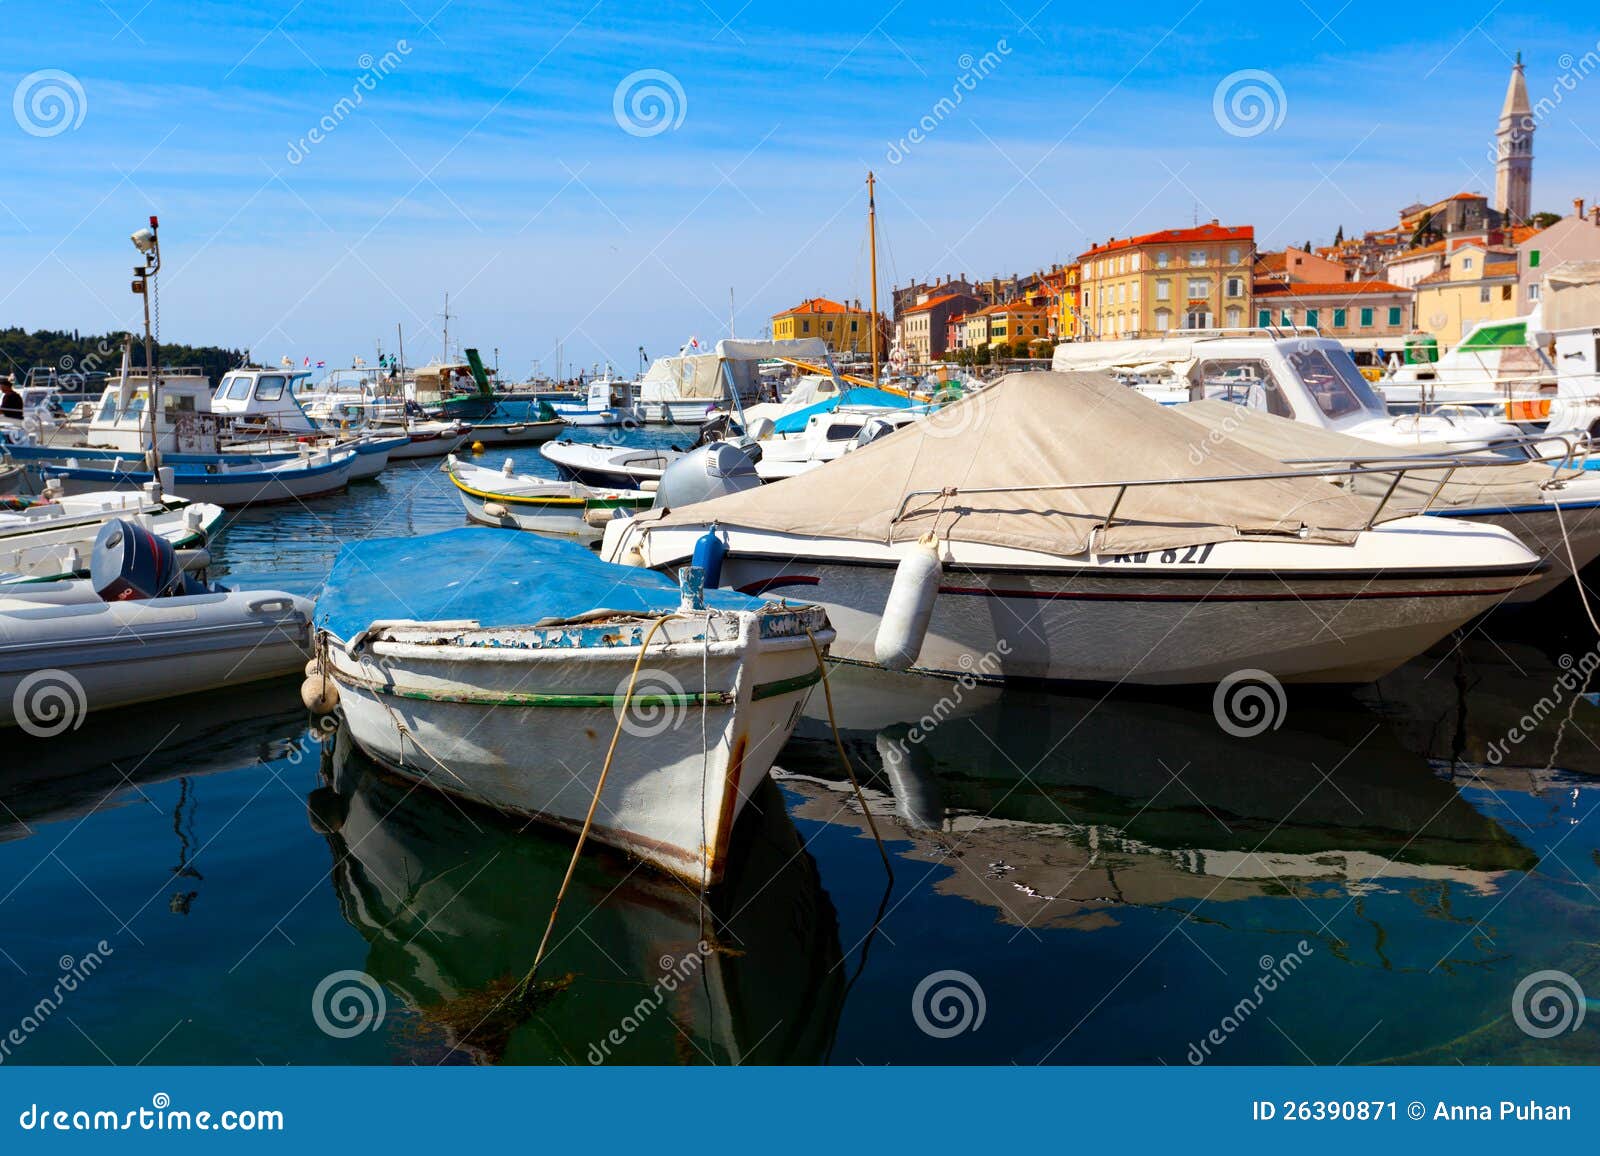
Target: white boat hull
(526, 730)
(430, 444)
(677, 412)
(1301, 612)
(61, 645)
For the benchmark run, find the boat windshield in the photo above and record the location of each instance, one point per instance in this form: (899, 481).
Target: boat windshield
(1335, 384)
(235, 387)
(269, 388)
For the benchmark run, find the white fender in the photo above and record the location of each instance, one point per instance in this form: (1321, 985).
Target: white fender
(909, 607)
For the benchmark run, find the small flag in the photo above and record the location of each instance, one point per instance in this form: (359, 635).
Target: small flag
(320, 364)
(308, 361)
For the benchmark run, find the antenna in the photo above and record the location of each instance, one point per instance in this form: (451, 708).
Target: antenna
(447, 315)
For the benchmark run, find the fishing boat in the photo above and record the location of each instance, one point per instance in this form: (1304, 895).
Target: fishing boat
(221, 480)
(1296, 375)
(516, 501)
(608, 465)
(1022, 547)
(138, 629)
(600, 407)
(51, 537)
(508, 677)
(1552, 507)
(696, 384)
(495, 420)
(262, 417)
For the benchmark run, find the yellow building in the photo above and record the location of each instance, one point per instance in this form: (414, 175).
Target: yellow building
(1061, 288)
(1198, 278)
(846, 328)
(1010, 323)
(1476, 284)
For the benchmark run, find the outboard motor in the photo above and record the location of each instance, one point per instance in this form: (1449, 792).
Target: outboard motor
(131, 563)
(705, 473)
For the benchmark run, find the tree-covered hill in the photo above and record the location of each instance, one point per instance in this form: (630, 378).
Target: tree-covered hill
(82, 353)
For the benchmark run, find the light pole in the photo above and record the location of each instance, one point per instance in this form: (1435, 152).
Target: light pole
(148, 243)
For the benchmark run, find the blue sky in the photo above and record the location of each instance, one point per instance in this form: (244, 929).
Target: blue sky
(490, 158)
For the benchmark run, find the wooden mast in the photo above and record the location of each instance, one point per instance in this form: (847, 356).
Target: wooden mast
(872, 247)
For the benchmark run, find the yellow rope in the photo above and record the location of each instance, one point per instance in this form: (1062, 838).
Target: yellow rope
(594, 803)
(827, 696)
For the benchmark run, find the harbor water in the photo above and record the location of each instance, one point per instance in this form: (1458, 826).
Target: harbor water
(1357, 876)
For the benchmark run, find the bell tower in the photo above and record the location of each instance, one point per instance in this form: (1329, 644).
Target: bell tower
(1513, 170)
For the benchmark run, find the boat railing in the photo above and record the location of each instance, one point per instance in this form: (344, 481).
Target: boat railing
(1399, 469)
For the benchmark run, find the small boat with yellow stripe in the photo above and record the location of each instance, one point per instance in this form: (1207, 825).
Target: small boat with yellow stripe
(514, 501)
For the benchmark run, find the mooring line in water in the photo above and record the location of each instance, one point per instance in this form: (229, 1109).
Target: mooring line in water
(838, 743)
(594, 803)
(1572, 564)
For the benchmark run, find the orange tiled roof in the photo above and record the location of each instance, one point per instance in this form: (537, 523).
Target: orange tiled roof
(1176, 237)
(957, 317)
(814, 305)
(1324, 289)
(1520, 233)
(930, 303)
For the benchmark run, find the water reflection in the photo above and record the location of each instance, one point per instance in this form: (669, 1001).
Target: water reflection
(452, 901)
(1057, 810)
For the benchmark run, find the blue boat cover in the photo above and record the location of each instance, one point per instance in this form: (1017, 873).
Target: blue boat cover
(498, 577)
(861, 395)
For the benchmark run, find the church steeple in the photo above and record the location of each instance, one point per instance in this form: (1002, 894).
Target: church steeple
(1513, 178)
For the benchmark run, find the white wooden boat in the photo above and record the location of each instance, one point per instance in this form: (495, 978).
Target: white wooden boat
(688, 388)
(600, 409)
(505, 678)
(429, 439)
(514, 433)
(1046, 564)
(50, 538)
(515, 501)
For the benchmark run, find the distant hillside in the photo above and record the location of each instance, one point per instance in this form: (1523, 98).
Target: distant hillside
(72, 353)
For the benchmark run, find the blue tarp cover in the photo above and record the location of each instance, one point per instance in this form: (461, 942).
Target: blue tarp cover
(861, 395)
(499, 577)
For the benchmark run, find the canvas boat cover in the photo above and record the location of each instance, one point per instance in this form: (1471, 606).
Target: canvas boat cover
(864, 395)
(1283, 440)
(699, 376)
(1036, 429)
(501, 578)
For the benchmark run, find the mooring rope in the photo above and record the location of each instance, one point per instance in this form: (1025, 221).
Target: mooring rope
(827, 696)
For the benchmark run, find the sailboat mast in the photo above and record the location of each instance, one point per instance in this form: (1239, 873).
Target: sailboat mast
(872, 248)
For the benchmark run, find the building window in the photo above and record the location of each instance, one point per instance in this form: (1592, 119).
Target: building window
(853, 325)
(1366, 318)
(1233, 256)
(805, 327)
(1505, 293)
(1197, 257)
(1533, 292)
(1235, 317)
(1339, 319)
(1394, 316)
(1133, 262)
(1264, 318)
(1312, 316)
(1197, 319)
(1286, 318)
(1161, 260)
(1533, 258)
(1483, 294)
(1199, 287)
(1235, 287)
(1466, 262)
(1163, 320)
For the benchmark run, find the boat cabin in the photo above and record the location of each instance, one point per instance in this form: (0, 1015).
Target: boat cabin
(185, 423)
(264, 399)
